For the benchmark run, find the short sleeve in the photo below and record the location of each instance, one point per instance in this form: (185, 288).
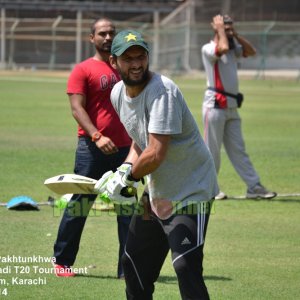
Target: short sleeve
(165, 113)
(76, 82)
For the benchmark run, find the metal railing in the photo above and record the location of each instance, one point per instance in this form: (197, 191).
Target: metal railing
(58, 43)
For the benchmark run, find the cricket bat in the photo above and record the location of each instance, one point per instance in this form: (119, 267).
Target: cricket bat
(71, 184)
(78, 184)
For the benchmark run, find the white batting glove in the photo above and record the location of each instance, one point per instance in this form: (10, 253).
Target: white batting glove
(120, 187)
(116, 187)
(119, 199)
(100, 186)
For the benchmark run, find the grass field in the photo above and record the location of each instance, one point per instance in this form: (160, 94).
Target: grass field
(252, 248)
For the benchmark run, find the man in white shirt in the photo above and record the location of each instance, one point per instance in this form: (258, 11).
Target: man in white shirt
(222, 123)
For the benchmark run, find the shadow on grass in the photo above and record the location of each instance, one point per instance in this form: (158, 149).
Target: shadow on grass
(161, 279)
(217, 278)
(262, 200)
(280, 200)
(98, 276)
(173, 279)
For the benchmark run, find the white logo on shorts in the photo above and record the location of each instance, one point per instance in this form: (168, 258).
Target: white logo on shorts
(186, 241)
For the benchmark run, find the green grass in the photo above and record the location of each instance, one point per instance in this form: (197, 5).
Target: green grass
(252, 248)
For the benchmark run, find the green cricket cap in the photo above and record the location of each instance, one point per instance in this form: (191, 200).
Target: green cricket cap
(125, 39)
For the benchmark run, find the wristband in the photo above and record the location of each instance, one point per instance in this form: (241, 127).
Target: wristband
(96, 136)
(131, 178)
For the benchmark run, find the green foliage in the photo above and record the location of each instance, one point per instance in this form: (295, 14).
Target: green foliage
(252, 248)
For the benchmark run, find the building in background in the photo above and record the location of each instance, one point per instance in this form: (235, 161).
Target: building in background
(53, 34)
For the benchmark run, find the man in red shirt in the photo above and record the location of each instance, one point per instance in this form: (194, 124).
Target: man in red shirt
(103, 143)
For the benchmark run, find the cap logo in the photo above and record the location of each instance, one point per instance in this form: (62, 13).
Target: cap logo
(130, 37)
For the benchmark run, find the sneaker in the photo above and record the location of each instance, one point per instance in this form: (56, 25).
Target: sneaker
(63, 271)
(260, 192)
(221, 196)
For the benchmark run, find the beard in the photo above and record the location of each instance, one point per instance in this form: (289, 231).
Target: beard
(134, 82)
(231, 43)
(103, 48)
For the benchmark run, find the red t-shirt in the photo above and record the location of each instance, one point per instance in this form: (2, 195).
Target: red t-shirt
(95, 79)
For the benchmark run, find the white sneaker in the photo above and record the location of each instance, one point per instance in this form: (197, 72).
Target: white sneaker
(260, 192)
(221, 196)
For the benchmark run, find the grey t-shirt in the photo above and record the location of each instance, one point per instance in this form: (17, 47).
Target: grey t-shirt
(188, 172)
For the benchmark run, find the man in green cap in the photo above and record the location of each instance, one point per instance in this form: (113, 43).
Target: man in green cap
(167, 150)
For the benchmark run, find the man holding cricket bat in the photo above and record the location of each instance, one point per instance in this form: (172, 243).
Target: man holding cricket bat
(103, 143)
(169, 151)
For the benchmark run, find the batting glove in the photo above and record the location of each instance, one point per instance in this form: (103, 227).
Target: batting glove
(122, 185)
(117, 187)
(100, 186)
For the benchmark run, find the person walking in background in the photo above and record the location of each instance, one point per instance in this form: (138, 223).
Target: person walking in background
(168, 149)
(103, 142)
(222, 122)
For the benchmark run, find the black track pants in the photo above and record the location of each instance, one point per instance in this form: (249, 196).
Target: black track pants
(148, 244)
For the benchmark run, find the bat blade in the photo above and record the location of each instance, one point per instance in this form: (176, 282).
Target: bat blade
(71, 184)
